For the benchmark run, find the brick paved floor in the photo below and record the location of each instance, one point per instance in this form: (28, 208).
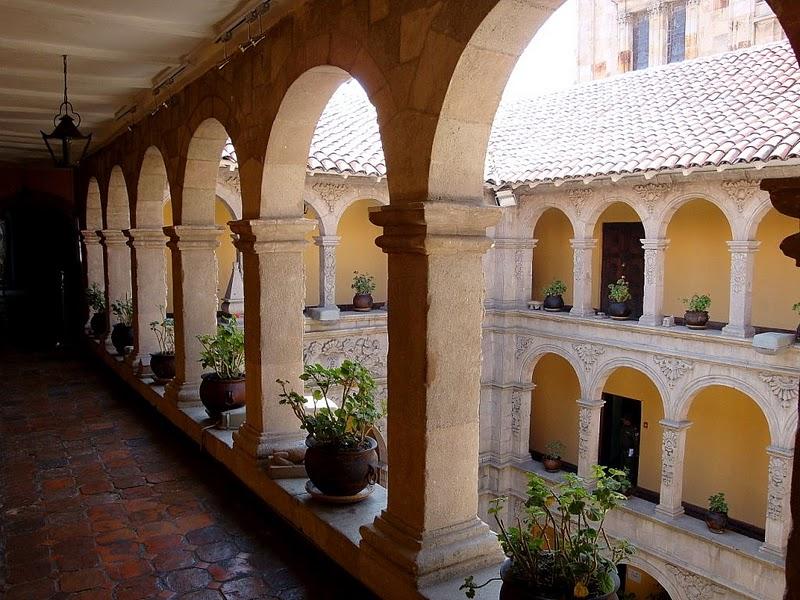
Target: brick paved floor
(101, 498)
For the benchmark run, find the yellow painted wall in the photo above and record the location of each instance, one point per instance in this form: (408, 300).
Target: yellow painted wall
(357, 252)
(776, 280)
(644, 589)
(697, 260)
(554, 408)
(552, 257)
(726, 452)
(619, 212)
(311, 260)
(637, 386)
(226, 253)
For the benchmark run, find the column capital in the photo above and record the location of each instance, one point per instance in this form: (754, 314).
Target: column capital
(259, 236)
(673, 425)
(583, 243)
(112, 237)
(743, 246)
(326, 241)
(193, 237)
(146, 238)
(654, 243)
(434, 227)
(515, 243)
(591, 404)
(90, 236)
(778, 452)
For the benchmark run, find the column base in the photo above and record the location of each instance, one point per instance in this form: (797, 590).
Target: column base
(577, 311)
(669, 512)
(324, 313)
(257, 445)
(182, 394)
(772, 550)
(397, 559)
(651, 320)
(738, 331)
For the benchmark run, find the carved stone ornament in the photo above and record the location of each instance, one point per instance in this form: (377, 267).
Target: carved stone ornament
(516, 407)
(231, 179)
(584, 427)
(589, 354)
(519, 265)
(329, 275)
(524, 343)
(672, 368)
(694, 586)
(369, 351)
(579, 197)
(741, 191)
(738, 272)
(785, 388)
(652, 193)
(669, 445)
(778, 474)
(650, 258)
(331, 193)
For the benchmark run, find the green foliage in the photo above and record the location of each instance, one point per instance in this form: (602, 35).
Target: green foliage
(717, 503)
(96, 298)
(554, 450)
(347, 425)
(697, 303)
(363, 283)
(796, 307)
(558, 546)
(165, 333)
(123, 310)
(224, 351)
(555, 288)
(619, 291)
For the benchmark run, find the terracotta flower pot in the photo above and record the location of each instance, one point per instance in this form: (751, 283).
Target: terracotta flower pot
(717, 521)
(99, 324)
(514, 588)
(341, 472)
(362, 302)
(551, 465)
(695, 319)
(221, 395)
(619, 311)
(121, 337)
(163, 366)
(553, 303)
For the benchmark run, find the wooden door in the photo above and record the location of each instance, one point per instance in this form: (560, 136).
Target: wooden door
(623, 255)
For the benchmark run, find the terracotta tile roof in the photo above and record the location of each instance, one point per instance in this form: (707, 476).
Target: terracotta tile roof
(738, 107)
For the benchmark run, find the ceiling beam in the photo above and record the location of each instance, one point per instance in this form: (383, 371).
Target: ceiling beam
(120, 56)
(49, 112)
(78, 77)
(58, 95)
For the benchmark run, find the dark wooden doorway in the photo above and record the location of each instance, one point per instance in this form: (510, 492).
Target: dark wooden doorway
(623, 255)
(620, 430)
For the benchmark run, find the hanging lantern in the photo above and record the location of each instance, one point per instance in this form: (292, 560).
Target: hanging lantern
(67, 145)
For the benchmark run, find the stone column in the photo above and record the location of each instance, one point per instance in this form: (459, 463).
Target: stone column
(589, 413)
(742, 260)
(624, 37)
(149, 292)
(582, 277)
(692, 28)
(779, 520)
(272, 250)
(194, 302)
(658, 33)
(93, 258)
(673, 454)
(513, 272)
(429, 529)
(653, 302)
(233, 301)
(118, 268)
(327, 309)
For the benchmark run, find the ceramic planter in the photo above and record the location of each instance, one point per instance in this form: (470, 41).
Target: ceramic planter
(619, 311)
(121, 337)
(362, 302)
(221, 395)
(553, 303)
(551, 465)
(695, 319)
(341, 472)
(717, 521)
(515, 589)
(162, 365)
(99, 324)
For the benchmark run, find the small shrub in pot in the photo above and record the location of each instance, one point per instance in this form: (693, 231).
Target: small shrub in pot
(551, 459)
(554, 295)
(363, 285)
(162, 363)
(619, 293)
(717, 516)
(122, 332)
(696, 315)
(96, 299)
(223, 352)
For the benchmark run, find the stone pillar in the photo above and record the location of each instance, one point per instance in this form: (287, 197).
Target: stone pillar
(118, 268)
(272, 250)
(194, 302)
(149, 292)
(93, 258)
(779, 520)
(513, 271)
(589, 413)
(653, 302)
(692, 28)
(658, 33)
(582, 277)
(673, 454)
(233, 302)
(625, 40)
(741, 290)
(429, 529)
(327, 309)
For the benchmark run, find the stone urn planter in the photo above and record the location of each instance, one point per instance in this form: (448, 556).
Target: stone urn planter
(551, 465)
(553, 303)
(219, 395)
(363, 285)
(362, 302)
(162, 364)
(619, 311)
(121, 337)
(337, 471)
(554, 296)
(717, 521)
(515, 588)
(695, 319)
(99, 324)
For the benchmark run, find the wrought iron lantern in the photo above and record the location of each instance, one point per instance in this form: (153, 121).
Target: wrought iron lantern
(67, 145)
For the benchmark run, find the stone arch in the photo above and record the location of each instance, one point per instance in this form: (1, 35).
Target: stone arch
(664, 579)
(199, 192)
(597, 211)
(94, 208)
(117, 213)
(659, 227)
(545, 205)
(153, 186)
(461, 137)
(754, 220)
(530, 358)
(231, 199)
(606, 369)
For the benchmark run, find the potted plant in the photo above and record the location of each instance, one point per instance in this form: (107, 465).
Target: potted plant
(122, 332)
(364, 285)
(796, 308)
(340, 458)
(553, 295)
(96, 300)
(557, 547)
(619, 293)
(223, 352)
(696, 315)
(551, 459)
(717, 516)
(162, 363)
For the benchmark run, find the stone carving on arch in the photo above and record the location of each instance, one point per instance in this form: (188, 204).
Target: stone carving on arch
(694, 586)
(658, 570)
(672, 368)
(784, 388)
(756, 216)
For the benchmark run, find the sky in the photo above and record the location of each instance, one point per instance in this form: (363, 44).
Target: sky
(549, 63)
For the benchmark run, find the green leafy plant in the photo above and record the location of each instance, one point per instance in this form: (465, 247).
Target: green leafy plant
(697, 303)
(123, 311)
(619, 291)
(363, 283)
(796, 307)
(558, 546)
(165, 333)
(554, 450)
(224, 351)
(96, 298)
(343, 426)
(717, 503)
(555, 288)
